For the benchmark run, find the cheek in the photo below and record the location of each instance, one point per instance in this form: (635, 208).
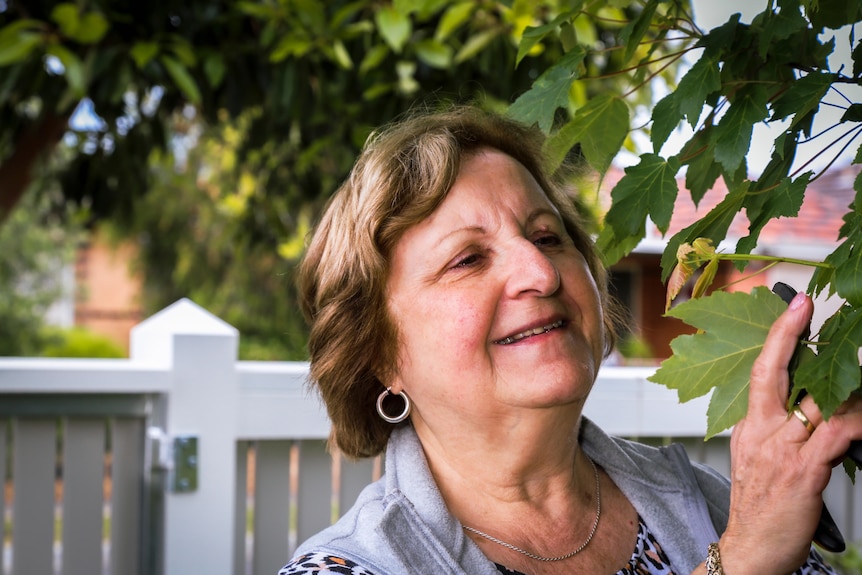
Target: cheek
(457, 329)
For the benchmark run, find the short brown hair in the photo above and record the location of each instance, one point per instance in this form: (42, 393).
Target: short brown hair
(403, 173)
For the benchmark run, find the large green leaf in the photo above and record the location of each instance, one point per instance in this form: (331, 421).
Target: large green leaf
(600, 127)
(549, 92)
(801, 97)
(733, 132)
(647, 189)
(784, 200)
(721, 356)
(696, 86)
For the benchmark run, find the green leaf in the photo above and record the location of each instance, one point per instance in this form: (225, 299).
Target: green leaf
(290, 45)
(476, 44)
(777, 25)
(214, 68)
(649, 188)
(784, 200)
(532, 35)
(733, 132)
(181, 77)
(143, 53)
(568, 36)
(434, 53)
(703, 170)
(184, 50)
(613, 246)
(73, 69)
(68, 18)
(696, 86)
(394, 26)
(834, 373)
(261, 10)
(632, 34)
(834, 13)
(453, 18)
(848, 272)
(340, 55)
(720, 358)
(16, 48)
(93, 28)
(373, 58)
(853, 113)
(600, 127)
(550, 91)
(665, 119)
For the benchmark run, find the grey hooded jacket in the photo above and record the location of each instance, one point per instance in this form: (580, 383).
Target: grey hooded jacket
(400, 524)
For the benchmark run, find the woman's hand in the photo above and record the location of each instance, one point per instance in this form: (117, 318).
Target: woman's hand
(778, 468)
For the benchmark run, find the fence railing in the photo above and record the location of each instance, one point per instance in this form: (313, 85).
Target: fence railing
(184, 460)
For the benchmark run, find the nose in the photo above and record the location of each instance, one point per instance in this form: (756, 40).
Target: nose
(531, 271)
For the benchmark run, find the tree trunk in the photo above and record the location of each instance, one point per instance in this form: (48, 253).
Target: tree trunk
(16, 171)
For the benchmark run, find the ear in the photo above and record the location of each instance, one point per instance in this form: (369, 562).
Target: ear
(392, 381)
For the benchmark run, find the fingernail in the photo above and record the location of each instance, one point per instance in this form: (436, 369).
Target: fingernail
(797, 301)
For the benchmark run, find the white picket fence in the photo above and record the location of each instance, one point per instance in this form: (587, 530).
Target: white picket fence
(219, 466)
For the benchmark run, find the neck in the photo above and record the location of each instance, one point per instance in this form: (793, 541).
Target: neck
(509, 468)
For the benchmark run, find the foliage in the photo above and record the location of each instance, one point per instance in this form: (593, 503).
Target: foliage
(303, 83)
(320, 76)
(36, 245)
(775, 70)
(79, 342)
(191, 245)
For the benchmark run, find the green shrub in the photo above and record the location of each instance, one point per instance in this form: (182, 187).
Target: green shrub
(80, 342)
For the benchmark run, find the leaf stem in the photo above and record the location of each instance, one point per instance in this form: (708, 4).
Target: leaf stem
(766, 258)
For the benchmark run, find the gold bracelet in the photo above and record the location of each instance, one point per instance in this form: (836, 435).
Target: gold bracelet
(713, 560)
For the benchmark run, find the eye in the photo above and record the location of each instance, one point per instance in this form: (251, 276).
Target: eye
(467, 261)
(547, 240)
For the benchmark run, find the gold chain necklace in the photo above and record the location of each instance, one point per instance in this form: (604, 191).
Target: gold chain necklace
(560, 557)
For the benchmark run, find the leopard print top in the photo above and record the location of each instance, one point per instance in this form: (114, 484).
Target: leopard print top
(648, 558)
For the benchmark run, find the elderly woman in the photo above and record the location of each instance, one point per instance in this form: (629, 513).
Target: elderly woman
(459, 314)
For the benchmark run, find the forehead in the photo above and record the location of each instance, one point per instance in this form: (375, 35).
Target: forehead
(493, 178)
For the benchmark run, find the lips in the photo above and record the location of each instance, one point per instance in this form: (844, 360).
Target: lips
(529, 333)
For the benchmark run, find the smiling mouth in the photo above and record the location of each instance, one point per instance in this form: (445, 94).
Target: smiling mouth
(530, 333)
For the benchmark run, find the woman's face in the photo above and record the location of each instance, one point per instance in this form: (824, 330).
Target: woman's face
(496, 309)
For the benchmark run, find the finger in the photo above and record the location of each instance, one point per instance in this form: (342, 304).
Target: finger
(769, 380)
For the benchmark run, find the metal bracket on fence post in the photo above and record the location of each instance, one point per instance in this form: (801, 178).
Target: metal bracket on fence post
(185, 460)
(178, 456)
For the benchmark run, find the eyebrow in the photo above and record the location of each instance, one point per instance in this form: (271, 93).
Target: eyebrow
(534, 215)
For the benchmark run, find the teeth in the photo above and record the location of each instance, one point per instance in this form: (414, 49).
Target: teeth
(530, 332)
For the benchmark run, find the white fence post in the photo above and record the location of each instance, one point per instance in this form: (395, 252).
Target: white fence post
(201, 352)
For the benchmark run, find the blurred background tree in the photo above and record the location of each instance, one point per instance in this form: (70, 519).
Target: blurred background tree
(36, 247)
(212, 132)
